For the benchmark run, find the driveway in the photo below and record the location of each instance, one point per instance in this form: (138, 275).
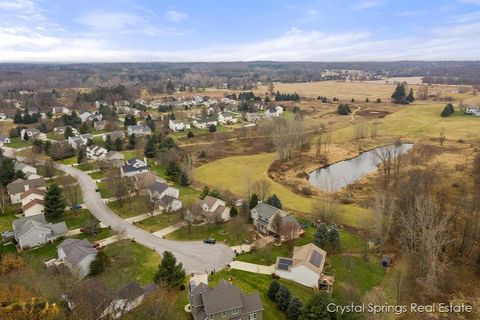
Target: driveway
(195, 255)
(252, 267)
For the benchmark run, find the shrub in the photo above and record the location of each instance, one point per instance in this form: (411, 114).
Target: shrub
(273, 289)
(343, 109)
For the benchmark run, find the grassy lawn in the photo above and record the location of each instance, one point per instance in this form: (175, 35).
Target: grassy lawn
(188, 195)
(230, 173)
(129, 261)
(158, 222)
(131, 207)
(69, 161)
(129, 154)
(251, 282)
(104, 233)
(97, 175)
(354, 272)
(219, 232)
(87, 166)
(74, 221)
(158, 170)
(105, 192)
(55, 136)
(43, 172)
(7, 217)
(17, 143)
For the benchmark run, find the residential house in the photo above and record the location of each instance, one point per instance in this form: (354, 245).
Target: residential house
(77, 255)
(473, 111)
(61, 130)
(114, 135)
(99, 125)
(32, 134)
(205, 122)
(61, 110)
(76, 142)
(273, 221)
(273, 112)
(133, 166)
(88, 116)
(178, 125)
(3, 116)
(4, 140)
(139, 130)
(32, 194)
(96, 153)
(33, 208)
(35, 231)
(224, 301)
(115, 158)
(304, 267)
(227, 118)
(144, 180)
(213, 209)
(19, 186)
(254, 116)
(121, 103)
(100, 103)
(163, 196)
(30, 172)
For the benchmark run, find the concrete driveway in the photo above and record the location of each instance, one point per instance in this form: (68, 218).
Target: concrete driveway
(195, 255)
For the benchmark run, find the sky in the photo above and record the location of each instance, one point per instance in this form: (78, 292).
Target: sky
(234, 30)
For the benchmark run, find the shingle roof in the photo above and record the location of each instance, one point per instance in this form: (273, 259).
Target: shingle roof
(252, 302)
(222, 298)
(76, 250)
(31, 191)
(32, 203)
(18, 185)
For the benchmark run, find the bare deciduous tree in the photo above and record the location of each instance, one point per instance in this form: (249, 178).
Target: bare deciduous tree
(261, 188)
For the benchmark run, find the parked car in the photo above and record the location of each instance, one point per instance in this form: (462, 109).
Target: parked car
(97, 190)
(210, 241)
(77, 206)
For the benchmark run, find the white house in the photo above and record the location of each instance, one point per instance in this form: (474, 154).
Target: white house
(133, 166)
(96, 153)
(32, 194)
(139, 130)
(32, 134)
(213, 208)
(178, 125)
(473, 111)
(164, 196)
(62, 129)
(19, 186)
(253, 116)
(79, 141)
(273, 112)
(205, 122)
(77, 255)
(62, 110)
(100, 103)
(33, 208)
(227, 118)
(3, 116)
(126, 299)
(25, 168)
(305, 266)
(35, 231)
(4, 140)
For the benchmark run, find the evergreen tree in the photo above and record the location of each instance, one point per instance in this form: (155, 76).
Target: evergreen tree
(54, 202)
(294, 309)
(399, 94)
(205, 192)
(184, 181)
(253, 201)
(169, 272)
(274, 201)
(130, 120)
(410, 98)
(7, 171)
(173, 170)
(118, 144)
(84, 128)
(170, 88)
(108, 144)
(233, 212)
(150, 148)
(190, 134)
(98, 265)
(19, 174)
(132, 141)
(343, 109)
(212, 128)
(320, 237)
(81, 156)
(68, 132)
(448, 110)
(273, 289)
(316, 308)
(283, 298)
(202, 154)
(334, 238)
(18, 118)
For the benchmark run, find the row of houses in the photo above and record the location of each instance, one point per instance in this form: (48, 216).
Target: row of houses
(224, 118)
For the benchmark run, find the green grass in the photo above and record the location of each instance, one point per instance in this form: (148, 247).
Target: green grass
(97, 175)
(105, 192)
(87, 166)
(230, 173)
(351, 243)
(220, 232)
(69, 161)
(7, 217)
(160, 171)
(131, 207)
(251, 282)
(129, 261)
(158, 222)
(17, 143)
(74, 221)
(188, 195)
(104, 233)
(41, 170)
(54, 136)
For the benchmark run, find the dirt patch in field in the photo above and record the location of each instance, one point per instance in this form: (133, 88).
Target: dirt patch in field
(373, 113)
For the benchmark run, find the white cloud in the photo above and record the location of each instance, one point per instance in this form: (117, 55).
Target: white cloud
(175, 16)
(367, 4)
(17, 5)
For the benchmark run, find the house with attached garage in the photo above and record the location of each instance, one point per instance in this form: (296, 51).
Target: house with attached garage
(213, 209)
(4, 140)
(139, 130)
(115, 158)
(61, 110)
(32, 194)
(227, 118)
(178, 125)
(32, 134)
(99, 125)
(33, 208)
(273, 112)
(19, 186)
(164, 197)
(88, 116)
(133, 166)
(270, 220)
(253, 117)
(77, 255)
(35, 231)
(114, 135)
(76, 142)
(205, 122)
(96, 153)
(25, 168)
(304, 267)
(224, 301)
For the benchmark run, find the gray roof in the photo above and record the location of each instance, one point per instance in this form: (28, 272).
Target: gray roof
(265, 210)
(23, 225)
(158, 187)
(130, 166)
(252, 302)
(76, 250)
(138, 127)
(18, 186)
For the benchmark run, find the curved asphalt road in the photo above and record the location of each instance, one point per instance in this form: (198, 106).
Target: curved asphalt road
(195, 255)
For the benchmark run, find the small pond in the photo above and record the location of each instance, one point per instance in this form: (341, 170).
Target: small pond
(340, 174)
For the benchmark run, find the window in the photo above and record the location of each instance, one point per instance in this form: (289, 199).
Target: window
(252, 316)
(235, 311)
(224, 313)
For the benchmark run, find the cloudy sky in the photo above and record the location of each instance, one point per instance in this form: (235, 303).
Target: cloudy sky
(238, 30)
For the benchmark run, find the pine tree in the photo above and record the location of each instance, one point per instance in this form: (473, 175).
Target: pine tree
(205, 192)
(25, 136)
(81, 156)
(253, 201)
(18, 118)
(54, 202)
(399, 94)
(7, 171)
(190, 135)
(320, 237)
(316, 308)
(334, 238)
(410, 98)
(274, 201)
(184, 180)
(68, 132)
(273, 289)
(233, 212)
(283, 298)
(118, 144)
(169, 272)
(108, 143)
(212, 128)
(448, 110)
(294, 309)
(84, 128)
(150, 148)
(132, 141)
